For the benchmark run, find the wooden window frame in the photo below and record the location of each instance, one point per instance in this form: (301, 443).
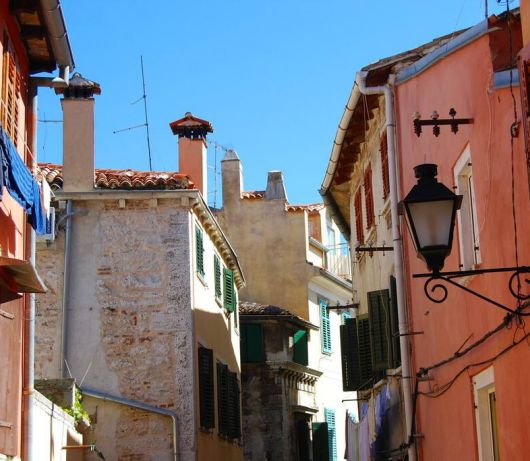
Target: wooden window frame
(383, 148)
(369, 198)
(359, 216)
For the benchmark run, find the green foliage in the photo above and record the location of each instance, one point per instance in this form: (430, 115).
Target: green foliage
(77, 411)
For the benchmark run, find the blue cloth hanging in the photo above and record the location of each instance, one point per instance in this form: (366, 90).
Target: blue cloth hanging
(21, 184)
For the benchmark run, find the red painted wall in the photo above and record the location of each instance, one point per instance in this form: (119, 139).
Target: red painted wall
(464, 80)
(13, 244)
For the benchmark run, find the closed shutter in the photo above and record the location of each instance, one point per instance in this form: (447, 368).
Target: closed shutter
(349, 348)
(329, 416)
(234, 408)
(394, 324)
(359, 217)
(206, 388)
(199, 250)
(369, 198)
(325, 327)
(383, 147)
(300, 347)
(365, 352)
(251, 342)
(222, 399)
(217, 275)
(379, 313)
(229, 295)
(320, 442)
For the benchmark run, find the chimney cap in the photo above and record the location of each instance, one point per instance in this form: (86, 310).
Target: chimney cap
(231, 154)
(191, 127)
(79, 87)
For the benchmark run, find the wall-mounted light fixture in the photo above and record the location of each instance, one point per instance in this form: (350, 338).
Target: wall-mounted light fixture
(430, 210)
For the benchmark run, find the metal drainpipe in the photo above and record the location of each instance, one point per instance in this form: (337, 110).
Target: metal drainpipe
(388, 91)
(141, 406)
(66, 288)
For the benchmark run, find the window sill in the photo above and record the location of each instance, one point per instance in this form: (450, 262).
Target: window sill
(219, 302)
(201, 278)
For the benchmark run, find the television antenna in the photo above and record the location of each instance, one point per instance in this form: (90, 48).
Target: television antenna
(146, 123)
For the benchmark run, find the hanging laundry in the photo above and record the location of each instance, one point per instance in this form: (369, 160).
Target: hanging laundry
(21, 184)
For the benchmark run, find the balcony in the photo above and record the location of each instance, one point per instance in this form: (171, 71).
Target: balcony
(335, 259)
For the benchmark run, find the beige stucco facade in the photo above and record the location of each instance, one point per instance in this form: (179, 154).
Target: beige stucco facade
(286, 253)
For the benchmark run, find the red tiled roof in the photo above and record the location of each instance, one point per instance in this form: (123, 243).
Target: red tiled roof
(250, 308)
(253, 194)
(121, 179)
(311, 208)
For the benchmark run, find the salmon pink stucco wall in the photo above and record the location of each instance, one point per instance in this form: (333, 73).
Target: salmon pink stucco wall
(463, 80)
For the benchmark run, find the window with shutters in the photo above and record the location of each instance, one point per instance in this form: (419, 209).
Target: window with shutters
(228, 402)
(206, 388)
(468, 228)
(320, 441)
(368, 198)
(325, 327)
(383, 148)
(356, 354)
(344, 316)
(379, 314)
(199, 251)
(217, 276)
(229, 300)
(394, 324)
(359, 229)
(252, 343)
(12, 86)
(300, 354)
(329, 416)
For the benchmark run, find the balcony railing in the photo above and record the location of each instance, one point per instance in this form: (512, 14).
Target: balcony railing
(337, 260)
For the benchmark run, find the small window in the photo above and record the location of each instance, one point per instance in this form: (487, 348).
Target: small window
(206, 388)
(252, 342)
(300, 354)
(383, 148)
(468, 228)
(217, 275)
(199, 251)
(12, 84)
(229, 292)
(329, 416)
(369, 198)
(486, 415)
(325, 328)
(359, 216)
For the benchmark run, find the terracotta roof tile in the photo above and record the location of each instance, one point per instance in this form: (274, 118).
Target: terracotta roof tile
(253, 194)
(121, 179)
(250, 308)
(311, 208)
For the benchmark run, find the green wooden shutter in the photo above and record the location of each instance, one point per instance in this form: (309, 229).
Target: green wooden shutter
(251, 342)
(229, 295)
(320, 442)
(329, 416)
(206, 388)
(394, 324)
(345, 316)
(300, 347)
(379, 313)
(217, 275)
(364, 352)
(234, 407)
(349, 349)
(222, 398)
(325, 327)
(199, 250)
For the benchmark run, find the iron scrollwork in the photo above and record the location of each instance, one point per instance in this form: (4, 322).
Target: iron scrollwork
(435, 288)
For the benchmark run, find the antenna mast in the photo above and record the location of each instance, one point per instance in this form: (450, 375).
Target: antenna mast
(146, 123)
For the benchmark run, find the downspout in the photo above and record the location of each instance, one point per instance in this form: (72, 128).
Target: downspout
(141, 406)
(388, 92)
(29, 349)
(66, 288)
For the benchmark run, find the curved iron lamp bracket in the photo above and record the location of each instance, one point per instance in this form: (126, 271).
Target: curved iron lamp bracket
(437, 292)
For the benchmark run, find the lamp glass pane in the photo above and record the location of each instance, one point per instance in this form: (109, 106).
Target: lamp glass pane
(432, 221)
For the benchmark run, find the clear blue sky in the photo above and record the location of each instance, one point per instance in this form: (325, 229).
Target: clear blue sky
(272, 76)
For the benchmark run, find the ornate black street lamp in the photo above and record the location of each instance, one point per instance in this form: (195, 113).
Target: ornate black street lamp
(430, 210)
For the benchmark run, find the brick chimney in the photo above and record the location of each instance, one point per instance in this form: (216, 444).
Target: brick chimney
(78, 133)
(192, 133)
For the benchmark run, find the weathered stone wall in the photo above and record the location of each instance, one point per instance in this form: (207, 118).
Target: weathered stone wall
(49, 316)
(130, 329)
